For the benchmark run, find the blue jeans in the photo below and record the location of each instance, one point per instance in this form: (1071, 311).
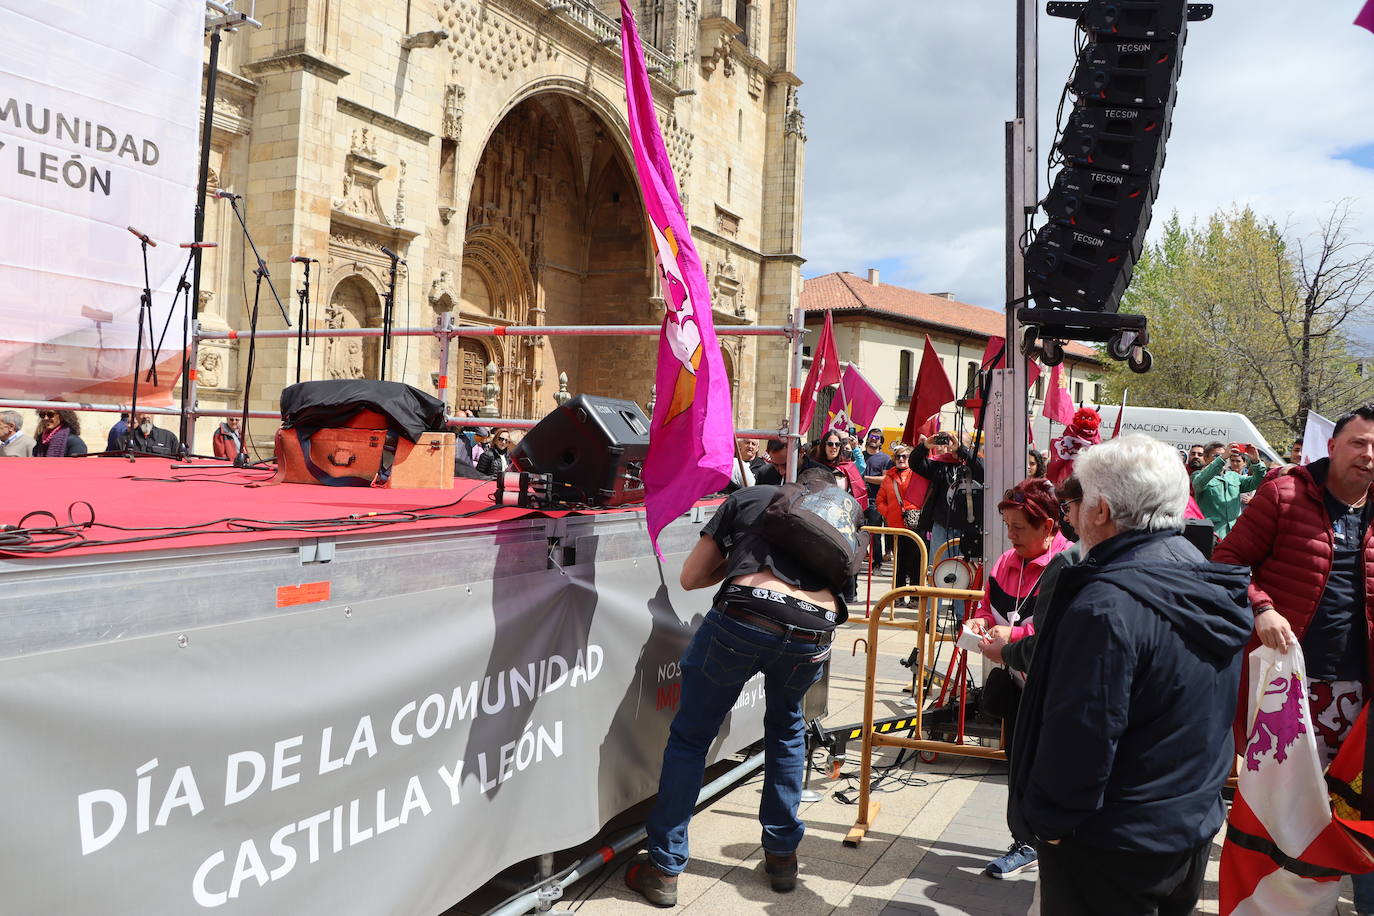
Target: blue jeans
(723, 655)
(1364, 892)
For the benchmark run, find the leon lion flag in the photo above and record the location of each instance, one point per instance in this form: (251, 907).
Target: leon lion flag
(856, 403)
(691, 437)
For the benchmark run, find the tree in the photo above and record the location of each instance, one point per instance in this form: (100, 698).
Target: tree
(1245, 317)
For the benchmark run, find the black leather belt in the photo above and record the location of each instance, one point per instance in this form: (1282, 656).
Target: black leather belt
(819, 637)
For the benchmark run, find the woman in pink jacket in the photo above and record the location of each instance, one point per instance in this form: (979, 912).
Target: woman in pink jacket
(1030, 511)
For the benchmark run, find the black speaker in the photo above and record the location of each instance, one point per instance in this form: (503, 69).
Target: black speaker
(1066, 268)
(1199, 532)
(593, 448)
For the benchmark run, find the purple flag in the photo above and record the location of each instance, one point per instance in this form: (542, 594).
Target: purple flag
(1366, 16)
(856, 403)
(691, 439)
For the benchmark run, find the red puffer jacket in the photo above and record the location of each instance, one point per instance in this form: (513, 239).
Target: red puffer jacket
(1284, 536)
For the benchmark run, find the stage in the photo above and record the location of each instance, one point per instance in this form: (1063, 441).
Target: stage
(321, 699)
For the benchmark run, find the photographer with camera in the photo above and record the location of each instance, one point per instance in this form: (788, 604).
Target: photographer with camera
(1218, 488)
(943, 463)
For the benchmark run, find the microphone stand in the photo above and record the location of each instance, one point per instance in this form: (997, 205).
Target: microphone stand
(388, 313)
(302, 339)
(261, 272)
(145, 307)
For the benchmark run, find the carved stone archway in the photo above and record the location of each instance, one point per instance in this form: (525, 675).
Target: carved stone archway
(353, 304)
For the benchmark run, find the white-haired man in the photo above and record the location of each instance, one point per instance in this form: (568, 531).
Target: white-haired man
(1124, 738)
(14, 443)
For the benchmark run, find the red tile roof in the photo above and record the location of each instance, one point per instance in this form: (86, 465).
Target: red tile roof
(843, 291)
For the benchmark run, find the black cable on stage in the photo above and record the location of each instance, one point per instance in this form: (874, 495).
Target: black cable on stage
(16, 539)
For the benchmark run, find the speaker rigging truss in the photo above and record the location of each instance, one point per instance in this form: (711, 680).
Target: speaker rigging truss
(1112, 151)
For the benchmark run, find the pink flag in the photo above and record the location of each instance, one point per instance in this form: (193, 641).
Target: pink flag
(855, 404)
(691, 438)
(1058, 405)
(824, 371)
(1366, 17)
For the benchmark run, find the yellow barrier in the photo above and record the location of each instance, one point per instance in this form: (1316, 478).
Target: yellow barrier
(926, 639)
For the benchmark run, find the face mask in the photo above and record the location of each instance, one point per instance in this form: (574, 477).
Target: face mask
(146, 427)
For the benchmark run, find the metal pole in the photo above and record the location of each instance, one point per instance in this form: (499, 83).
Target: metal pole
(482, 330)
(797, 334)
(191, 362)
(445, 340)
(1006, 442)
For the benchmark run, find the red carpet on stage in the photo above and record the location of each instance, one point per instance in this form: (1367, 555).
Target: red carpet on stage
(209, 503)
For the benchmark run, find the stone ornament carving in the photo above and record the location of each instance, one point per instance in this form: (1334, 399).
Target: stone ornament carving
(793, 122)
(401, 196)
(363, 142)
(343, 356)
(495, 44)
(454, 99)
(720, 55)
(210, 369)
(756, 82)
(362, 174)
(441, 287)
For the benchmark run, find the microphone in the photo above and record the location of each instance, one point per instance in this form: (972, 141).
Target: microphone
(226, 195)
(199, 245)
(302, 259)
(143, 238)
(393, 255)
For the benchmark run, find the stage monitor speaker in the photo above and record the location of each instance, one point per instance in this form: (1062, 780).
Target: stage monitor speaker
(593, 448)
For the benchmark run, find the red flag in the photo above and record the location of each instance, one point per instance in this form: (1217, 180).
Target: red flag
(997, 347)
(1366, 17)
(1121, 412)
(1058, 405)
(996, 351)
(824, 372)
(933, 392)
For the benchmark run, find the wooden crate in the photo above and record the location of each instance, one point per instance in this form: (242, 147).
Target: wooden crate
(427, 464)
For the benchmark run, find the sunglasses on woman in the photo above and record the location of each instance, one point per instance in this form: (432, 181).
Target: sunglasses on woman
(832, 445)
(46, 415)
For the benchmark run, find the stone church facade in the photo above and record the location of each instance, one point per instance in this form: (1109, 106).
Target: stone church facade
(484, 141)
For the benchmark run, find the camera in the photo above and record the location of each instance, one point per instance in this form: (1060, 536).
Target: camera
(942, 439)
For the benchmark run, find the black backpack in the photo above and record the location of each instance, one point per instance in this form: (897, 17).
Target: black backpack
(819, 525)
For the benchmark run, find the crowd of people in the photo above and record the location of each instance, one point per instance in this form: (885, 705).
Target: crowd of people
(1116, 648)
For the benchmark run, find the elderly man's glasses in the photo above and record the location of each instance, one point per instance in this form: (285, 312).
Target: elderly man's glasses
(1065, 503)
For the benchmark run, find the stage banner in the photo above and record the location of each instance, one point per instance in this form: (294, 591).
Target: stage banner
(383, 758)
(99, 116)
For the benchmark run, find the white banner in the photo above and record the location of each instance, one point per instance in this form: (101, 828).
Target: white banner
(99, 121)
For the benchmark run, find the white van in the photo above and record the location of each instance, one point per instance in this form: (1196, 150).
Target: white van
(1179, 428)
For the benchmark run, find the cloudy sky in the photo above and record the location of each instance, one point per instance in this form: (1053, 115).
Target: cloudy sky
(905, 102)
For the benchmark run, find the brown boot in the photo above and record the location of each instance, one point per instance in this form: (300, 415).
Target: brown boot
(782, 871)
(655, 886)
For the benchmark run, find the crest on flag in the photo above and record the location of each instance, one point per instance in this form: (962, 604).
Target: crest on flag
(856, 402)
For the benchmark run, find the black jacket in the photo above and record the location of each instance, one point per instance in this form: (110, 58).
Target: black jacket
(491, 462)
(159, 442)
(1124, 735)
(941, 506)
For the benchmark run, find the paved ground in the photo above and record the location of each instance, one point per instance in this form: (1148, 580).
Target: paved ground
(939, 824)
